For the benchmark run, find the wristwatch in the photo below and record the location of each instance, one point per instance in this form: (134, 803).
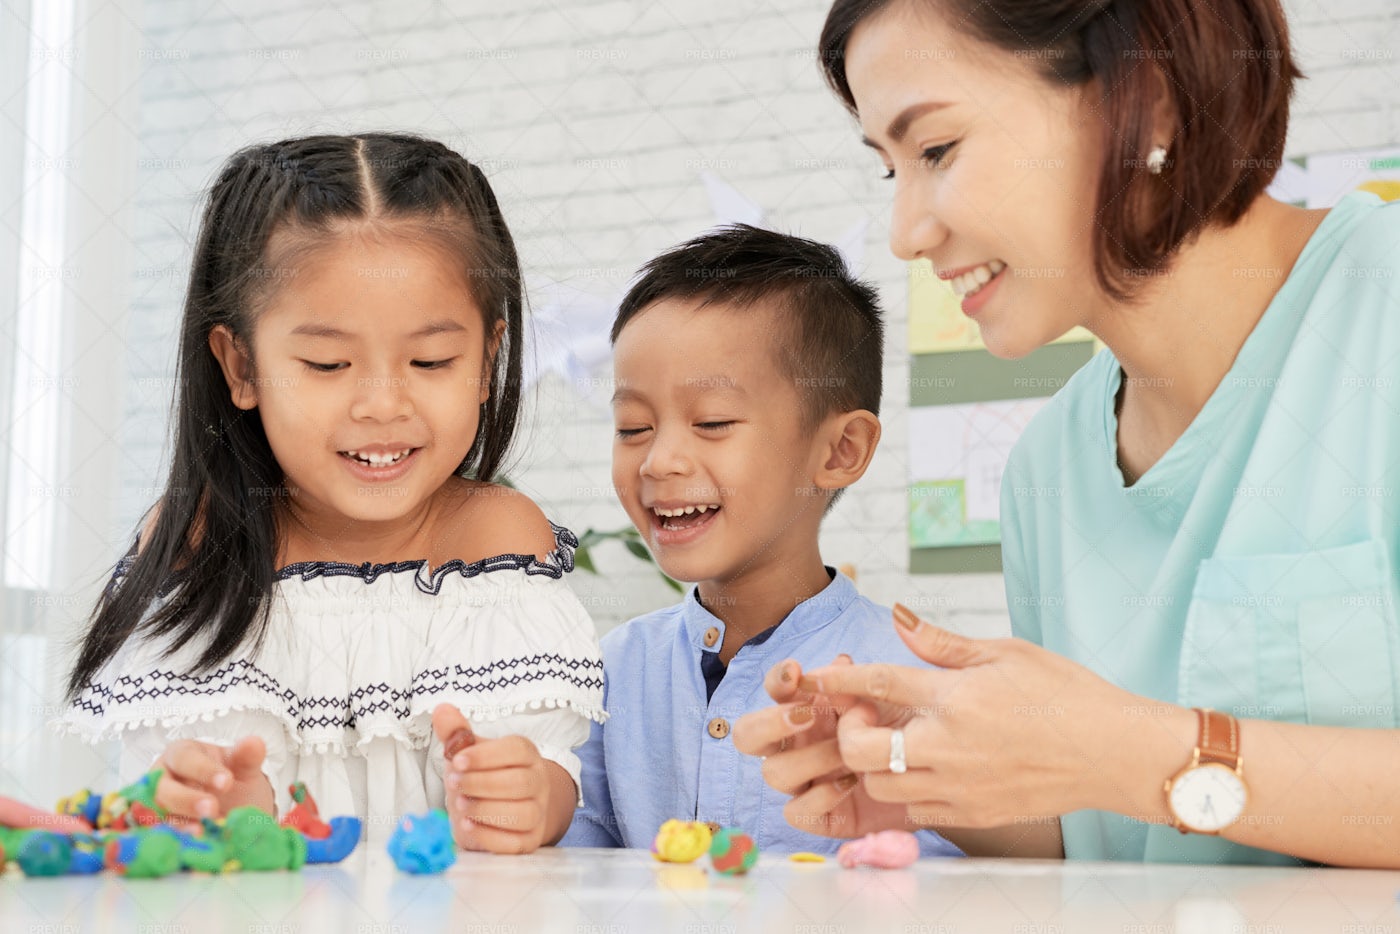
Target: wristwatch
(1209, 792)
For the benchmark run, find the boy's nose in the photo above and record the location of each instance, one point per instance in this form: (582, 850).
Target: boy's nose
(665, 458)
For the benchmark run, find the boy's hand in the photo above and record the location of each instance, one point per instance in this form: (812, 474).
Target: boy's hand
(498, 790)
(797, 740)
(208, 780)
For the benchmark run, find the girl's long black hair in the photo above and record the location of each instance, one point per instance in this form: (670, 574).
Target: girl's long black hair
(214, 541)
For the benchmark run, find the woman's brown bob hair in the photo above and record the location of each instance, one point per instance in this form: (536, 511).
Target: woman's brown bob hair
(1225, 66)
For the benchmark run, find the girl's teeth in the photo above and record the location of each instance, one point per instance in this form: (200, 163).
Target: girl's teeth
(683, 510)
(969, 283)
(378, 460)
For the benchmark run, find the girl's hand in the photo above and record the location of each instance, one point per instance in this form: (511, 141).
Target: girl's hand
(208, 780)
(1007, 733)
(498, 790)
(801, 757)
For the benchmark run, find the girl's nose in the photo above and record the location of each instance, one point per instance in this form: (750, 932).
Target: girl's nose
(382, 398)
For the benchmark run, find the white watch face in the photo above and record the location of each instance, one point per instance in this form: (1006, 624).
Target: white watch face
(1207, 798)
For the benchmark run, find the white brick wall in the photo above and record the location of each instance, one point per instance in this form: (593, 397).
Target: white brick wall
(594, 120)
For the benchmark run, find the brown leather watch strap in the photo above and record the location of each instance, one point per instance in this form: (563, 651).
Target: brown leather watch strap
(1219, 738)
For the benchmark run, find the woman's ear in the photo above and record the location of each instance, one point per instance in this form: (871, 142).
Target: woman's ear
(849, 440)
(237, 364)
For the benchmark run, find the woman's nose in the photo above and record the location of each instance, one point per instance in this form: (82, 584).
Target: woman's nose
(915, 230)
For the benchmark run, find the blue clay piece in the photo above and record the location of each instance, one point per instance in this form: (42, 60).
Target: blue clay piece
(422, 843)
(345, 836)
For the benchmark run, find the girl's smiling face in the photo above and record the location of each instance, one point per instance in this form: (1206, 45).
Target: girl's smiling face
(371, 362)
(995, 172)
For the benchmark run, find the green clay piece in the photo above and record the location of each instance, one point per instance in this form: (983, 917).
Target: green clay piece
(255, 842)
(157, 855)
(207, 856)
(44, 854)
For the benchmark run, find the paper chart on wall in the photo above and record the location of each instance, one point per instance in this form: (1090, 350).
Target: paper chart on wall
(957, 455)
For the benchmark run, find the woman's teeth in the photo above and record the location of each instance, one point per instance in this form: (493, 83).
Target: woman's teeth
(971, 282)
(379, 460)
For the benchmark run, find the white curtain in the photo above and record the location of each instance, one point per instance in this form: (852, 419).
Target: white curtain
(69, 89)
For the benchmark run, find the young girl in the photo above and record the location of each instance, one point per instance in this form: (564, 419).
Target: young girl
(329, 588)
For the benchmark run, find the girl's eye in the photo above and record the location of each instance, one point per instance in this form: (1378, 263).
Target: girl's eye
(629, 432)
(324, 367)
(889, 174)
(713, 426)
(433, 364)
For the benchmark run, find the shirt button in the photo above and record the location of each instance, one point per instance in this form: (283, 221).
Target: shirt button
(719, 728)
(711, 637)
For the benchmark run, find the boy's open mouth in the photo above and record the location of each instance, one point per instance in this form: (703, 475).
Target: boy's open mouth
(684, 517)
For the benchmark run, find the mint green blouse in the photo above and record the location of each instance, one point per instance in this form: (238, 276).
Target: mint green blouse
(1253, 568)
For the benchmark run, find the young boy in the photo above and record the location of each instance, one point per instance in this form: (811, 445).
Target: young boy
(747, 369)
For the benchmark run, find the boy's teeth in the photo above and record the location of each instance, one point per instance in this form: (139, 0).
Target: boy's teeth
(970, 282)
(682, 510)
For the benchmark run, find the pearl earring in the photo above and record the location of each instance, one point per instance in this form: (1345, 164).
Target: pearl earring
(1157, 160)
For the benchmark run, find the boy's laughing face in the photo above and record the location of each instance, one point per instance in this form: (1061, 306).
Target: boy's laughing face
(711, 458)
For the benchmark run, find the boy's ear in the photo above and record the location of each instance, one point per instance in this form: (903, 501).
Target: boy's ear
(237, 365)
(849, 442)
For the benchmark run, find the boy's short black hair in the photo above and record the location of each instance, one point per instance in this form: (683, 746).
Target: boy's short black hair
(830, 330)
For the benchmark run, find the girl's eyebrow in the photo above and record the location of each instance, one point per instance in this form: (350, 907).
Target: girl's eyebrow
(312, 329)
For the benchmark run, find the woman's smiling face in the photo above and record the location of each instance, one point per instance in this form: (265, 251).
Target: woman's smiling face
(995, 172)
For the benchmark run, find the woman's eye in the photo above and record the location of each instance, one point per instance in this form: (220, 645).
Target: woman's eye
(713, 426)
(325, 367)
(889, 173)
(629, 432)
(935, 155)
(433, 364)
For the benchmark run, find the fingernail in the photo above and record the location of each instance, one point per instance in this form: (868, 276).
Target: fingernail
(809, 685)
(906, 618)
(799, 716)
(846, 782)
(460, 739)
(460, 762)
(221, 780)
(786, 676)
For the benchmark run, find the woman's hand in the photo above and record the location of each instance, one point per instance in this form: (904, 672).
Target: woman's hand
(1006, 733)
(798, 743)
(207, 780)
(502, 795)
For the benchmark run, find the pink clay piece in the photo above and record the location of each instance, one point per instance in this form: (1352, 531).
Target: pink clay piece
(887, 849)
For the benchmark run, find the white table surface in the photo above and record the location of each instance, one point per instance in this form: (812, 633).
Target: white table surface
(627, 892)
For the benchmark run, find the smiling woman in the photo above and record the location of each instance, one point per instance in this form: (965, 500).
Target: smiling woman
(1200, 532)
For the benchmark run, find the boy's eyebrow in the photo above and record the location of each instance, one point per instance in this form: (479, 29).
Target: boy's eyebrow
(695, 386)
(313, 329)
(900, 124)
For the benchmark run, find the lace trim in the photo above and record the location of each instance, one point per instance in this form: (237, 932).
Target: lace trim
(556, 564)
(558, 673)
(415, 731)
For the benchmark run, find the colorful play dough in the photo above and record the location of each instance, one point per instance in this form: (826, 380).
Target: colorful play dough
(733, 852)
(422, 843)
(681, 841)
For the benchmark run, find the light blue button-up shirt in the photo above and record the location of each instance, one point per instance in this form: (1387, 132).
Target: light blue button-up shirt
(1255, 568)
(657, 757)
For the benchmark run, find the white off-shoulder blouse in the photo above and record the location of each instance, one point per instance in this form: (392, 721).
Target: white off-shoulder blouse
(354, 661)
